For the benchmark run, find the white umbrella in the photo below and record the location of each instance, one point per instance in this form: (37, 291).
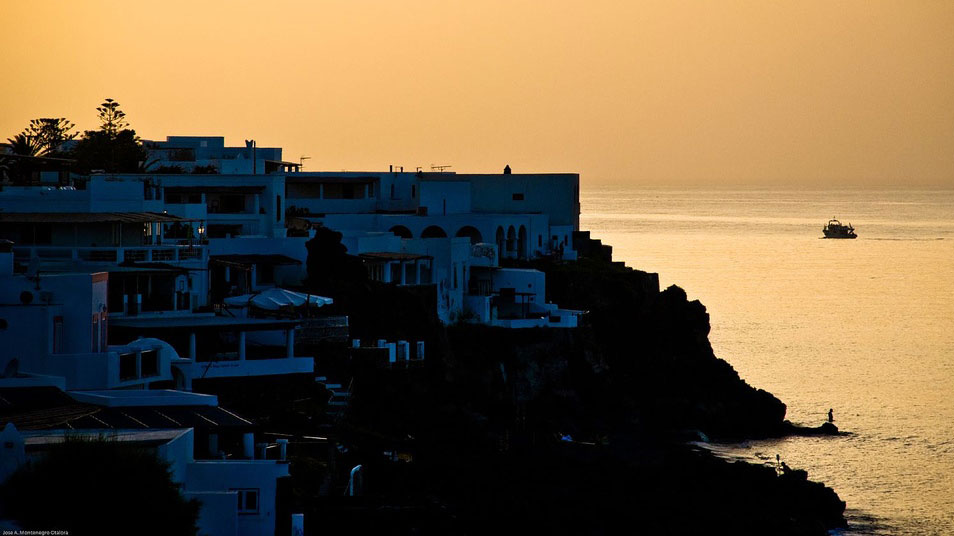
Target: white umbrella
(274, 299)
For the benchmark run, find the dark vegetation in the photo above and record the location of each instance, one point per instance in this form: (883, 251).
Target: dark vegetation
(98, 487)
(52, 144)
(375, 309)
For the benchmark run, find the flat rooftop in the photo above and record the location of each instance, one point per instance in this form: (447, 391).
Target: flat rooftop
(145, 397)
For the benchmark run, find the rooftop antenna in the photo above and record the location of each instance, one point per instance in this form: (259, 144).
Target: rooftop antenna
(301, 162)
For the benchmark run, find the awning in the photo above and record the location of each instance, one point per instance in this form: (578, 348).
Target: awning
(39, 408)
(250, 259)
(158, 324)
(274, 299)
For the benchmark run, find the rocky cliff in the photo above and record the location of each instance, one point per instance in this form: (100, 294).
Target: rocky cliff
(577, 430)
(549, 430)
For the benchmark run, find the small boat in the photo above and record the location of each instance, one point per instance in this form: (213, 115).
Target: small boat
(835, 229)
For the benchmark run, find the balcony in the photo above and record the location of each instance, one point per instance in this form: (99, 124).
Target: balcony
(170, 253)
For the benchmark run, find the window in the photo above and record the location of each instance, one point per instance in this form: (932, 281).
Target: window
(127, 367)
(226, 204)
(247, 501)
(518, 197)
(150, 363)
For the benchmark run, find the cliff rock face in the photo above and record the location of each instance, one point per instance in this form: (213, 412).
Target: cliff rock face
(570, 431)
(653, 350)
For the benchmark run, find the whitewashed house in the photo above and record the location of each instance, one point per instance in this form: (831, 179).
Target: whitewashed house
(237, 496)
(447, 223)
(191, 152)
(177, 243)
(53, 331)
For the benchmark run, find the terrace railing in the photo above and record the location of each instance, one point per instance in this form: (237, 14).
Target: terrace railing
(170, 253)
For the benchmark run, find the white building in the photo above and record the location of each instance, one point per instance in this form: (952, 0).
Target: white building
(447, 223)
(177, 243)
(237, 496)
(191, 152)
(526, 215)
(53, 331)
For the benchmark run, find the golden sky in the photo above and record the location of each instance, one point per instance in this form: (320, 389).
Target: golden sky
(713, 93)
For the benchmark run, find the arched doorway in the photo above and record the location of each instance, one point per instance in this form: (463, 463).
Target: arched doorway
(401, 231)
(470, 232)
(433, 232)
(511, 242)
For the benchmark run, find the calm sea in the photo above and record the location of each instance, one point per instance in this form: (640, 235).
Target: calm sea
(864, 326)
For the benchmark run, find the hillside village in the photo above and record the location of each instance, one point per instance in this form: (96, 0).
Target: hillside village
(130, 301)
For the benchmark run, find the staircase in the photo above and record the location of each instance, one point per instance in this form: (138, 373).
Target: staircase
(340, 397)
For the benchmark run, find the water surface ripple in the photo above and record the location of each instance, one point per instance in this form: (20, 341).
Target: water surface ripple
(863, 326)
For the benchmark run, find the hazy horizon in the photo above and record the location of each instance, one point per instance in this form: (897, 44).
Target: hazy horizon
(744, 94)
